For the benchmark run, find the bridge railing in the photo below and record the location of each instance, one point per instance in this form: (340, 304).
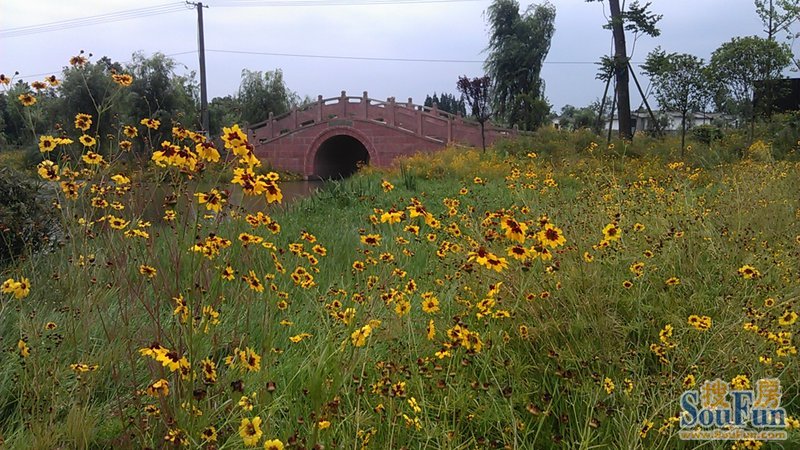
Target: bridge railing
(422, 120)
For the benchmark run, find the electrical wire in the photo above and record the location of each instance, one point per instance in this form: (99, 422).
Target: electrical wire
(37, 75)
(93, 20)
(290, 3)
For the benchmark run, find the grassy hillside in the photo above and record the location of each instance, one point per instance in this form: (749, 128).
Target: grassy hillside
(505, 299)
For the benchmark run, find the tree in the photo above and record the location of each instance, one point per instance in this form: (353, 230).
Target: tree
(261, 93)
(222, 112)
(741, 63)
(158, 92)
(639, 20)
(777, 15)
(518, 45)
(476, 92)
(448, 103)
(680, 84)
(573, 118)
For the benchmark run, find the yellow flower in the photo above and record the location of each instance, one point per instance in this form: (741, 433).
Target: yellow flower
(159, 388)
(608, 385)
(124, 79)
(552, 236)
(747, 272)
(92, 158)
(87, 141)
(48, 170)
(359, 337)
(147, 271)
(611, 232)
(47, 143)
(153, 124)
(250, 431)
(27, 99)
(23, 349)
(83, 122)
(273, 444)
(788, 318)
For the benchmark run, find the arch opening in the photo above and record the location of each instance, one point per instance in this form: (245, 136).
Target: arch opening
(339, 157)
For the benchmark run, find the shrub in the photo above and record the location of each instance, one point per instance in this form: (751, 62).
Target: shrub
(25, 222)
(706, 134)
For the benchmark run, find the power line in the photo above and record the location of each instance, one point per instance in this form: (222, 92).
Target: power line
(389, 59)
(290, 3)
(93, 20)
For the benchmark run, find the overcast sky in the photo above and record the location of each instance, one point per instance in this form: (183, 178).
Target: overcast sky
(454, 30)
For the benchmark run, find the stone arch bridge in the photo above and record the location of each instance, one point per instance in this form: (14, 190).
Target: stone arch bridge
(329, 138)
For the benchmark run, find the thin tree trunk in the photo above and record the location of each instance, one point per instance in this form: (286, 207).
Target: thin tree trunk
(483, 137)
(621, 71)
(683, 133)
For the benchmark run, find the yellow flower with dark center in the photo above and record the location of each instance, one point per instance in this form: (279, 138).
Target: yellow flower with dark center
(206, 151)
(233, 137)
(153, 124)
(78, 61)
(430, 330)
(52, 81)
(392, 217)
(213, 200)
(83, 121)
(130, 131)
(637, 269)
(552, 236)
(672, 281)
(371, 239)
(740, 382)
(701, 323)
(273, 444)
(253, 281)
(689, 381)
(4, 80)
(748, 272)
(430, 305)
(250, 431)
(147, 271)
(646, 427)
(228, 273)
(48, 170)
(611, 232)
(87, 141)
(209, 434)
(209, 370)
(514, 230)
(387, 186)
(638, 227)
(608, 385)
(159, 388)
(273, 192)
(92, 158)
(588, 257)
(47, 143)
(23, 349)
(27, 99)
(788, 318)
(125, 145)
(250, 359)
(123, 79)
(627, 284)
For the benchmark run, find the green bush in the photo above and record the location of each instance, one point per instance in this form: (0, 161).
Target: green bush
(26, 224)
(706, 134)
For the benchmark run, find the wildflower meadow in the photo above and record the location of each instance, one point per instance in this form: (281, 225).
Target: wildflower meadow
(522, 297)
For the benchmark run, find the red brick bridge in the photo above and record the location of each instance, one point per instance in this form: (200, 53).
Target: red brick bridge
(331, 137)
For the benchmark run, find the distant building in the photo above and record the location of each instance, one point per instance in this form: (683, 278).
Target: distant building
(670, 121)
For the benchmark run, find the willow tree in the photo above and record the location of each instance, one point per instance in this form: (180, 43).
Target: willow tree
(518, 45)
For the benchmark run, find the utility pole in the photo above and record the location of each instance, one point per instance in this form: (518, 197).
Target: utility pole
(201, 49)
